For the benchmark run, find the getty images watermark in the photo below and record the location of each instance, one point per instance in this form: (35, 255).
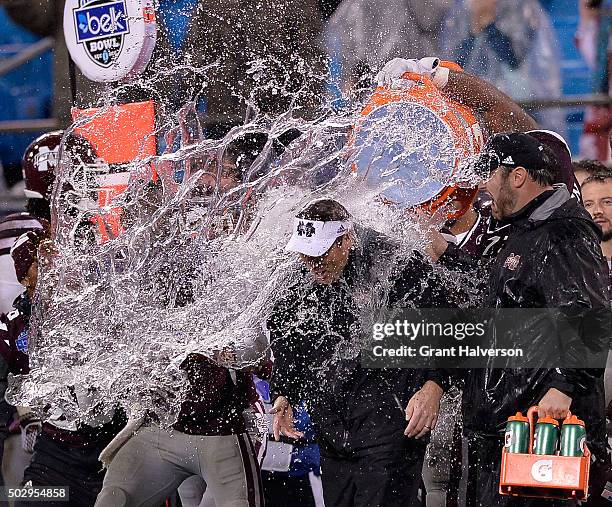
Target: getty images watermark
(418, 332)
(493, 338)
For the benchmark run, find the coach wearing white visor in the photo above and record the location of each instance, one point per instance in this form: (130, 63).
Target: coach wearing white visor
(368, 422)
(323, 246)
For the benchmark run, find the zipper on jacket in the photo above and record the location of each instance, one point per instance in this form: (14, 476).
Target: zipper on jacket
(345, 439)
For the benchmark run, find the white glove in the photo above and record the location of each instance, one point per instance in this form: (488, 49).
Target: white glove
(392, 72)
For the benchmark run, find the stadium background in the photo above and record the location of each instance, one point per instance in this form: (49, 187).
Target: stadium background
(26, 91)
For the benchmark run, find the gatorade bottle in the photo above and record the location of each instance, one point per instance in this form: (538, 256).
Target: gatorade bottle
(573, 437)
(517, 434)
(546, 436)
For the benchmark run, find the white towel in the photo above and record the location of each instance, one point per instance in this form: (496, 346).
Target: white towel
(108, 453)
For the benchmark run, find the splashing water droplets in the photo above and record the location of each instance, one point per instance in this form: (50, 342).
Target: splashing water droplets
(199, 258)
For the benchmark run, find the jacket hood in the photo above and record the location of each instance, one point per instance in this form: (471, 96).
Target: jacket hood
(561, 205)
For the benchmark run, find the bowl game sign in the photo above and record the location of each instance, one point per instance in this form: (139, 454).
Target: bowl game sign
(101, 27)
(110, 40)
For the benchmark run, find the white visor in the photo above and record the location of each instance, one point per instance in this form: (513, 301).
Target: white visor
(314, 238)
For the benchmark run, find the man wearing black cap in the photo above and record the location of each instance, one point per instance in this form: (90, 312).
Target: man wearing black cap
(551, 259)
(366, 421)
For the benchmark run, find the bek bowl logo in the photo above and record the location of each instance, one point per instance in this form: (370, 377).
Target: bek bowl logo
(100, 27)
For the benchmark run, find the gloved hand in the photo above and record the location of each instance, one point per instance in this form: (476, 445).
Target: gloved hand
(30, 428)
(392, 72)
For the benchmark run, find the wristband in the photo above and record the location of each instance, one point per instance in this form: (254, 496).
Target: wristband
(439, 70)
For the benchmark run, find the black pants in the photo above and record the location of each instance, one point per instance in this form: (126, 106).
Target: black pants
(57, 464)
(281, 490)
(377, 480)
(484, 455)
(3, 436)
(7, 413)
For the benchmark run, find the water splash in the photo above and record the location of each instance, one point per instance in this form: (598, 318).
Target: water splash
(195, 268)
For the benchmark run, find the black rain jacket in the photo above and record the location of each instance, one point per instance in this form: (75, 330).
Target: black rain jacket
(315, 338)
(560, 265)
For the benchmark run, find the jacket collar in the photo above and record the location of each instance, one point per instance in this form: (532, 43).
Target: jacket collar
(543, 206)
(23, 304)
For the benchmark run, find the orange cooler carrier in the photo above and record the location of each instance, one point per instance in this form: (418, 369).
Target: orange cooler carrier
(544, 476)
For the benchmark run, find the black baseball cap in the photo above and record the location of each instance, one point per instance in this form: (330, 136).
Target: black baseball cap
(514, 150)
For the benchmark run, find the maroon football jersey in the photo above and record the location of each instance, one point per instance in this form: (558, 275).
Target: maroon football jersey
(14, 337)
(486, 237)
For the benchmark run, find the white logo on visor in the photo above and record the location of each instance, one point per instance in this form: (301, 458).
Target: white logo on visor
(306, 229)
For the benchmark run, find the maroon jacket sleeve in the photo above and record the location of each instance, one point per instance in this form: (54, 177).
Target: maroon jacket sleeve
(13, 342)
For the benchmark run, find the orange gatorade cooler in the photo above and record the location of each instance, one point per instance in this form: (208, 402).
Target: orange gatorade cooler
(546, 475)
(408, 145)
